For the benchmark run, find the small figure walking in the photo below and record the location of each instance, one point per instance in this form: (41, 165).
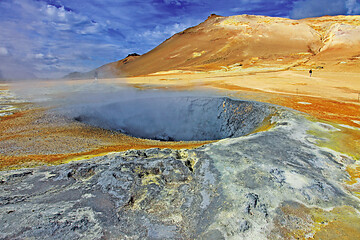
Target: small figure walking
(96, 76)
(310, 72)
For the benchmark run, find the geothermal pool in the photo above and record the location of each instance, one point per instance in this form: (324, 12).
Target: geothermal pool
(266, 185)
(177, 118)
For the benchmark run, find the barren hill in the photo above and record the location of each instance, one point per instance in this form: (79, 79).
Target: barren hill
(247, 42)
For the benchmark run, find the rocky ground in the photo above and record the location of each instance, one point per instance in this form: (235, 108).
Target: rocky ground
(275, 184)
(296, 176)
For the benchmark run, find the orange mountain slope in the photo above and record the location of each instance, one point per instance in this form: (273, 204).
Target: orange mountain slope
(246, 41)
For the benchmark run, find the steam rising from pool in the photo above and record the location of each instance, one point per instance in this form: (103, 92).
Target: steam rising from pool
(196, 115)
(177, 118)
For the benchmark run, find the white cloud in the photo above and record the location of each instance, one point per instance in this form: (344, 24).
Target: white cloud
(39, 56)
(317, 8)
(3, 51)
(174, 2)
(179, 2)
(90, 29)
(82, 34)
(46, 35)
(353, 7)
(163, 32)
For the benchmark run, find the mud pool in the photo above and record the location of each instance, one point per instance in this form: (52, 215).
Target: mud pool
(273, 184)
(177, 118)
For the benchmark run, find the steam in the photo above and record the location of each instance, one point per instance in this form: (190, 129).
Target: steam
(56, 93)
(112, 104)
(152, 114)
(11, 69)
(174, 118)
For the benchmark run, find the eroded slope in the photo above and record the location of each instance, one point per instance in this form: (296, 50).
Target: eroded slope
(246, 41)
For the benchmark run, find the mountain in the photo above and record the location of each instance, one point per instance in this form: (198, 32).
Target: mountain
(340, 37)
(109, 70)
(251, 42)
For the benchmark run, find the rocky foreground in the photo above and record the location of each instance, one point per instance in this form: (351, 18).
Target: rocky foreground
(275, 184)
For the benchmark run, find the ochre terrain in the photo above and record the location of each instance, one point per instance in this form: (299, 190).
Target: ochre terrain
(252, 43)
(29, 138)
(255, 57)
(248, 57)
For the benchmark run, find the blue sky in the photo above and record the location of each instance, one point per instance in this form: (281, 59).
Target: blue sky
(50, 38)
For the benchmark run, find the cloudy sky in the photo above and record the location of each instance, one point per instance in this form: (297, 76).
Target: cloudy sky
(50, 38)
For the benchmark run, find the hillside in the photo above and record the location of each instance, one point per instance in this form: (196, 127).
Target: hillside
(251, 43)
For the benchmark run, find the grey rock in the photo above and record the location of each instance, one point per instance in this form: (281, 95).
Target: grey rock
(244, 226)
(233, 188)
(252, 201)
(213, 235)
(278, 175)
